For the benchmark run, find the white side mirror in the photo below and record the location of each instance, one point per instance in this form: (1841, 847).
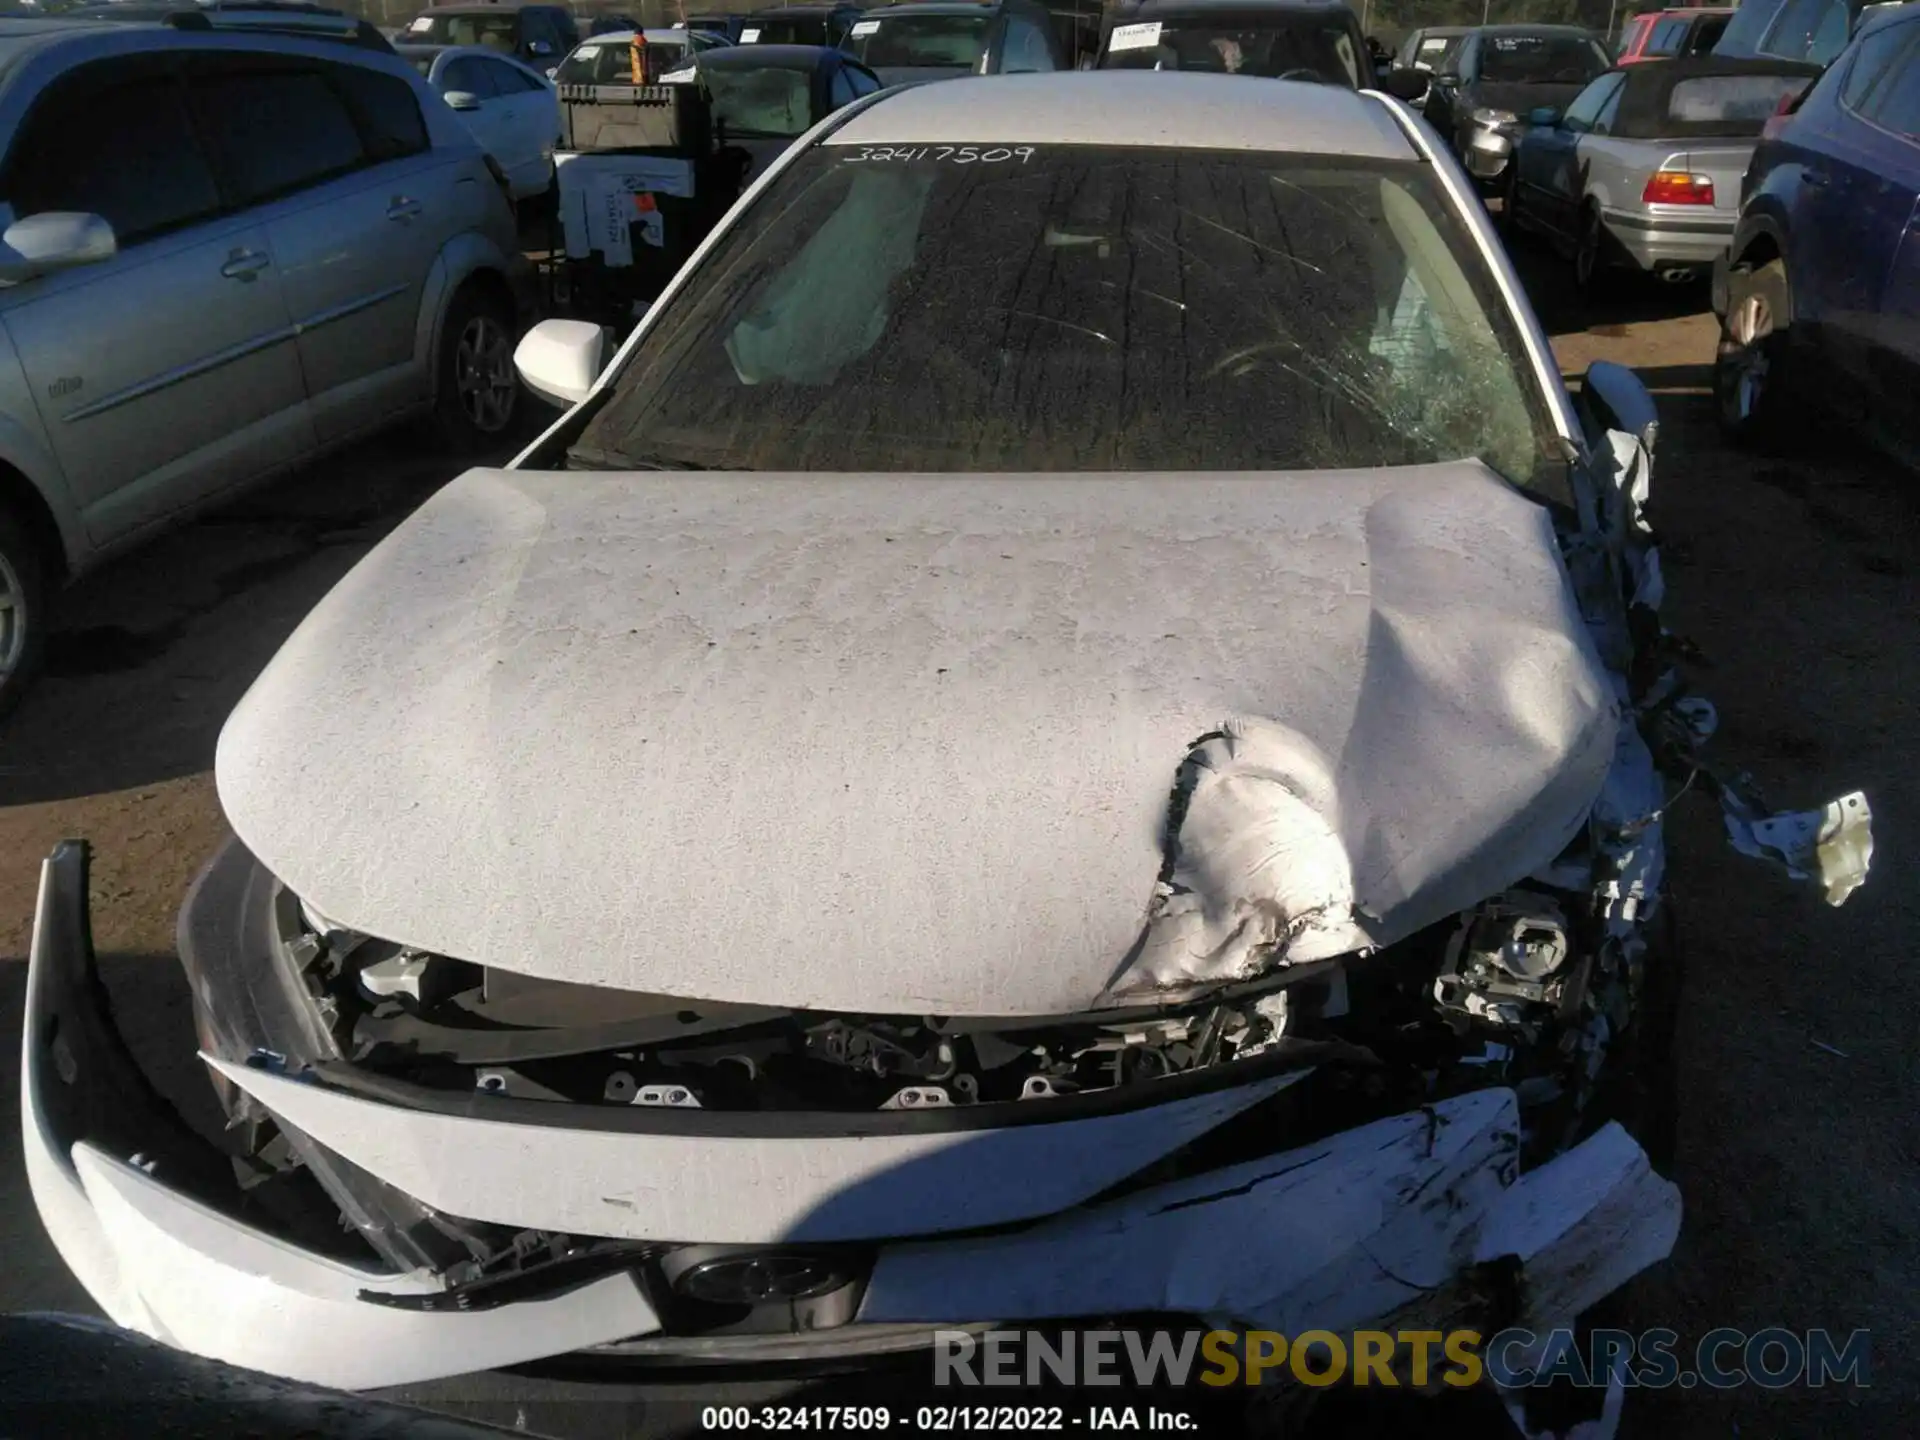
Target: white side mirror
(463, 100)
(560, 359)
(55, 240)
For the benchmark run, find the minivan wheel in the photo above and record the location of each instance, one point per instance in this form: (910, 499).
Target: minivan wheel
(1747, 386)
(477, 394)
(23, 611)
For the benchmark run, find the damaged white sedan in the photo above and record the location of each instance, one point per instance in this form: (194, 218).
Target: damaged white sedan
(1076, 725)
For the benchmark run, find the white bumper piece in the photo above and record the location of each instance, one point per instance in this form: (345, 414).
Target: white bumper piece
(1336, 1235)
(1367, 1225)
(178, 1270)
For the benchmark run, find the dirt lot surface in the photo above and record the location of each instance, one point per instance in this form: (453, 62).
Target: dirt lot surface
(1799, 1138)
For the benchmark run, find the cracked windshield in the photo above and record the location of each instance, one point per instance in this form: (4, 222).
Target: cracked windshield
(1030, 308)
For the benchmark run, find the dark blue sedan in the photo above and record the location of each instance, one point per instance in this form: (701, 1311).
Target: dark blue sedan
(1819, 294)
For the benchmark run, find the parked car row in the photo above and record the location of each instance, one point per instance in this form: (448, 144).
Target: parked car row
(1642, 169)
(1785, 163)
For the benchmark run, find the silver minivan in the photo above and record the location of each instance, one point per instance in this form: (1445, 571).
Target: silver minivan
(220, 255)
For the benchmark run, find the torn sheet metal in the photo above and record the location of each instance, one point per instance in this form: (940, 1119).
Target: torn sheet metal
(1832, 846)
(695, 1185)
(1369, 1223)
(905, 744)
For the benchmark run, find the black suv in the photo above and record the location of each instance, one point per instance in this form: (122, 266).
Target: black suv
(799, 25)
(538, 35)
(1277, 39)
(939, 39)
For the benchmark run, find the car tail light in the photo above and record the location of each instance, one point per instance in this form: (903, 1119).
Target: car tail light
(1677, 187)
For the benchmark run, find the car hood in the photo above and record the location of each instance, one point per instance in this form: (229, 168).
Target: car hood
(959, 745)
(1520, 98)
(913, 74)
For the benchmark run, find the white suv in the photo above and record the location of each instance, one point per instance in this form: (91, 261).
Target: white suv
(223, 253)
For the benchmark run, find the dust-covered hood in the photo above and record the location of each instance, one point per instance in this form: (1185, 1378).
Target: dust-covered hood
(907, 744)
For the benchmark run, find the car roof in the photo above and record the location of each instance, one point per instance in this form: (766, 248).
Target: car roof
(26, 36)
(1883, 17)
(20, 38)
(798, 12)
(1172, 109)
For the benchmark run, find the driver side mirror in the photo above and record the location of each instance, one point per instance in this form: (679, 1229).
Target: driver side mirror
(1544, 116)
(540, 49)
(55, 240)
(1408, 85)
(560, 359)
(1615, 398)
(462, 100)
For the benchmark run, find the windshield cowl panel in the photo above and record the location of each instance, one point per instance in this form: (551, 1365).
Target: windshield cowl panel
(1074, 308)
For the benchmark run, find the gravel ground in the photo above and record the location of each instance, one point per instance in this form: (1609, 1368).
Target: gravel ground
(1799, 1145)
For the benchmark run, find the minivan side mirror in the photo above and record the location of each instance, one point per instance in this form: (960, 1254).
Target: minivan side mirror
(54, 240)
(462, 100)
(1544, 116)
(560, 359)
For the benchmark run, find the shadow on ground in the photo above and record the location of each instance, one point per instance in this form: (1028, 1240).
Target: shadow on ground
(152, 651)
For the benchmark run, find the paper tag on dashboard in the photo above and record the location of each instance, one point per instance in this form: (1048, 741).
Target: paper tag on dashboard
(865, 28)
(1135, 37)
(747, 37)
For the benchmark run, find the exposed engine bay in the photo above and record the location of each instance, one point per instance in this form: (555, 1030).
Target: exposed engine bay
(1523, 990)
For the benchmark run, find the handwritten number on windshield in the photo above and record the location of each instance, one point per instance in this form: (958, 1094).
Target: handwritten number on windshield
(952, 154)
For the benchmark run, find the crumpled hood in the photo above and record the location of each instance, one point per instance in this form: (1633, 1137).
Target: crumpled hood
(908, 744)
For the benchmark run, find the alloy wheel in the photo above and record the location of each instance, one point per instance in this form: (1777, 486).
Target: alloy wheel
(483, 374)
(1749, 324)
(13, 617)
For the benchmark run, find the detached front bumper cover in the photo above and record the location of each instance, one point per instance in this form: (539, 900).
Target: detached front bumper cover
(148, 1215)
(1395, 1220)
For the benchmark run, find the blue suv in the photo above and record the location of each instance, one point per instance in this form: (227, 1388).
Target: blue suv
(1822, 279)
